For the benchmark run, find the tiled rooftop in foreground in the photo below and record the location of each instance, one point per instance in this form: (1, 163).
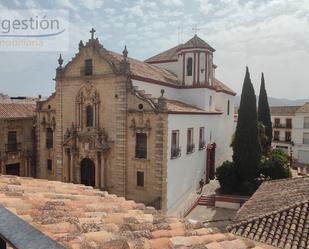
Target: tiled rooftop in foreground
(277, 214)
(77, 216)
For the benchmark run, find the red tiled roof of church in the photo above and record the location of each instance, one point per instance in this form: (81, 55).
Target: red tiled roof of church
(17, 110)
(77, 217)
(171, 54)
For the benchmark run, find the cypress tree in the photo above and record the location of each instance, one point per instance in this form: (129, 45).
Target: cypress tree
(264, 114)
(246, 147)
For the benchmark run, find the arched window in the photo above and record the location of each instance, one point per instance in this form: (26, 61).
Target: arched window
(89, 116)
(189, 66)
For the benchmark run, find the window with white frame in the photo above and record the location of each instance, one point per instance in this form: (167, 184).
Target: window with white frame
(306, 138)
(306, 122)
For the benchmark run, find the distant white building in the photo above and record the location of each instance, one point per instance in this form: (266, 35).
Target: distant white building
(291, 133)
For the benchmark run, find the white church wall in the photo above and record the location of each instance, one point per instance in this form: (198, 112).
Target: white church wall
(225, 128)
(155, 89)
(185, 172)
(194, 96)
(169, 66)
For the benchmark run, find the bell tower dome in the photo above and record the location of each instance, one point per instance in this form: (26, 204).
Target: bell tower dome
(195, 58)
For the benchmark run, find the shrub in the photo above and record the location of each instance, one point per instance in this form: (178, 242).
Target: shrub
(275, 165)
(227, 177)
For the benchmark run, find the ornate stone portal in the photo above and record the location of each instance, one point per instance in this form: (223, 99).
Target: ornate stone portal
(85, 143)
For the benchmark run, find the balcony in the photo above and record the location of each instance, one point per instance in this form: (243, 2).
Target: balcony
(190, 148)
(175, 152)
(202, 145)
(282, 126)
(286, 140)
(13, 147)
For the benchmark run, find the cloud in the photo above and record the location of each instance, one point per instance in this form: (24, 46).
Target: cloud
(134, 11)
(177, 3)
(91, 4)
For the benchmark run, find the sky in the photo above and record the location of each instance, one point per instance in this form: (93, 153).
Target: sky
(270, 36)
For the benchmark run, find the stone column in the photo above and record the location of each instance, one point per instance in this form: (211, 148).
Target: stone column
(2, 167)
(71, 177)
(102, 182)
(97, 172)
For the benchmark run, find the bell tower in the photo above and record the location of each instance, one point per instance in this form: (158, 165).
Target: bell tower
(195, 59)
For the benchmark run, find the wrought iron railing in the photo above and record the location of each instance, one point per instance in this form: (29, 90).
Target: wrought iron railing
(175, 152)
(13, 147)
(190, 148)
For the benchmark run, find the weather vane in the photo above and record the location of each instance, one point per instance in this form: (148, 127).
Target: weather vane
(195, 29)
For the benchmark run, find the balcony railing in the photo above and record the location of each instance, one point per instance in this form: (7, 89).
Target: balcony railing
(13, 147)
(175, 152)
(141, 153)
(284, 126)
(190, 148)
(286, 140)
(202, 145)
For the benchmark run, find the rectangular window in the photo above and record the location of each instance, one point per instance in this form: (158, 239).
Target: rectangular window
(288, 136)
(202, 143)
(190, 145)
(141, 145)
(210, 101)
(228, 107)
(49, 164)
(49, 138)
(277, 122)
(288, 123)
(276, 135)
(306, 138)
(189, 66)
(140, 178)
(88, 67)
(306, 123)
(175, 144)
(12, 145)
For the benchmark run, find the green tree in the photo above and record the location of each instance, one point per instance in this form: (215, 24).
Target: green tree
(226, 175)
(264, 115)
(246, 146)
(275, 165)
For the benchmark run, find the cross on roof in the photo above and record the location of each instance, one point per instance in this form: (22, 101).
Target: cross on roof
(92, 31)
(195, 29)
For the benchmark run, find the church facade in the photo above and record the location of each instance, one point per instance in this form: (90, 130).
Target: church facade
(148, 131)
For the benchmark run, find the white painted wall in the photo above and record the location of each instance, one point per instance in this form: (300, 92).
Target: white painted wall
(185, 172)
(195, 96)
(298, 134)
(169, 66)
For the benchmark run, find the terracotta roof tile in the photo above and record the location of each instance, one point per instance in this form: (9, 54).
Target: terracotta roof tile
(172, 53)
(221, 87)
(17, 110)
(283, 110)
(79, 217)
(168, 55)
(145, 70)
(277, 214)
(197, 42)
(304, 108)
(175, 106)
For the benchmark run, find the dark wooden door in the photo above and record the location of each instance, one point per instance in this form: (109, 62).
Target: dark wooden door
(210, 165)
(87, 172)
(12, 169)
